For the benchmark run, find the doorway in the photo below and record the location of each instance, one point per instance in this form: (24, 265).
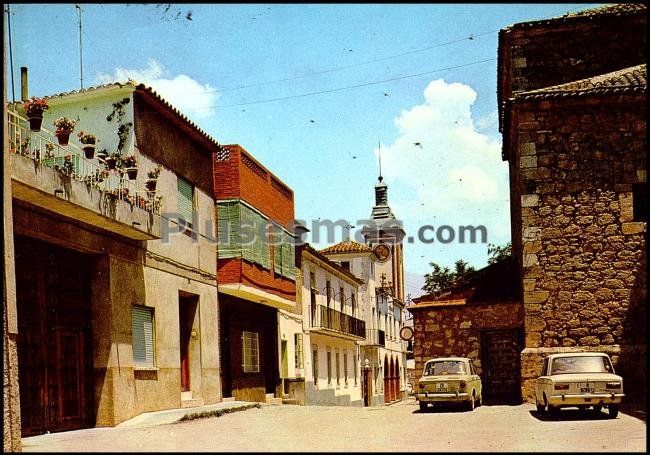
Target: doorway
(187, 304)
(367, 386)
(55, 368)
(500, 360)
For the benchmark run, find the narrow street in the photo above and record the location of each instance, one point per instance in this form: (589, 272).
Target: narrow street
(397, 428)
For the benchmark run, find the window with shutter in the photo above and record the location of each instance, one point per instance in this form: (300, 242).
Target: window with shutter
(288, 257)
(249, 235)
(278, 238)
(298, 342)
(185, 201)
(143, 336)
(228, 214)
(250, 352)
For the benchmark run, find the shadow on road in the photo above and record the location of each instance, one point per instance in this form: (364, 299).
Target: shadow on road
(636, 408)
(570, 414)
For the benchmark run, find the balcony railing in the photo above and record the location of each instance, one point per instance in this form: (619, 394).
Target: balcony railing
(69, 160)
(328, 318)
(375, 337)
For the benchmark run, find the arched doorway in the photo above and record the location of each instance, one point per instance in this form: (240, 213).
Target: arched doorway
(386, 381)
(392, 380)
(398, 385)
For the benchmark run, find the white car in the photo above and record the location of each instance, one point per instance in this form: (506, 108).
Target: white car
(582, 380)
(449, 379)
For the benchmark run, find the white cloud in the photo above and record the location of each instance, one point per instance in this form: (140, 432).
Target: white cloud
(443, 171)
(189, 96)
(488, 121)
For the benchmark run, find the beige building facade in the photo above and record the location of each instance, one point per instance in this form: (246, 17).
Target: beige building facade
(116, 301)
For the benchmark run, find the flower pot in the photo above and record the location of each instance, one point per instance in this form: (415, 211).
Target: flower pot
(132, 172)
(35, 122)
(151, 184)
(89, 150)
(63, 137)
(102, 155)
(110, 162)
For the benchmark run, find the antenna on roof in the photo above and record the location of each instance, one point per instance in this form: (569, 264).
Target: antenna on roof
(81, 66)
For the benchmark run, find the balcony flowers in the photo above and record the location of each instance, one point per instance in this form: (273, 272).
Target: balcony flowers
(88, 142)
(152, 179)
(34, 108)
(130, 165)
(64, 127)
(112, 160)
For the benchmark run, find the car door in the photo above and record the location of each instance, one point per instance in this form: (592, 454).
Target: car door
(541, 383)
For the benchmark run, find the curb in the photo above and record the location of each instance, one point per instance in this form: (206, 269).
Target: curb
(215, 412)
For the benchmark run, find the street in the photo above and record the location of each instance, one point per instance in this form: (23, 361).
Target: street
(397, 428)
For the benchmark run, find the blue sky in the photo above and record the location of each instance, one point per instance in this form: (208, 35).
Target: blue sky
(311, 90)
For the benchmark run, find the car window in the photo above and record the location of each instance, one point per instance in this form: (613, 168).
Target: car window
(545, 367)
(444, 367)
(581, 364)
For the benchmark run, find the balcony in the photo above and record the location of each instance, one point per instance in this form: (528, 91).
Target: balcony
(334, 322)
(375, 337)
(60, 179)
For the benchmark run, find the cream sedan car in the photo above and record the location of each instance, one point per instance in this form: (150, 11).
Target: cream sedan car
(582, 380)
(449, 379)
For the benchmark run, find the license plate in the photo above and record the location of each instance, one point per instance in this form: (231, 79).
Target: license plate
(586, 387)
(441, 387)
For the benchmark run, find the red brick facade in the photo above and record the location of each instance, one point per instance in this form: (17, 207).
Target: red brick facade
(237, 175)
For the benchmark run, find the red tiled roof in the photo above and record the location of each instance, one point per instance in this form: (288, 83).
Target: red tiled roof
(616, 9)
(347, 246)
(626, 80)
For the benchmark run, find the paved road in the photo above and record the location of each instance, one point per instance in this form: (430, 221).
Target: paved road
(400, 427)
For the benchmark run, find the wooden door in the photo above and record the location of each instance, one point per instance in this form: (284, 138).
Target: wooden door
(54, 338)
(367, 386)
(501, 377)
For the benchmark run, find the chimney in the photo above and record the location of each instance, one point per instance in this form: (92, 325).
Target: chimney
(23, 83)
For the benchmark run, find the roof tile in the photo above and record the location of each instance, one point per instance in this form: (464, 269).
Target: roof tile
(347, 246)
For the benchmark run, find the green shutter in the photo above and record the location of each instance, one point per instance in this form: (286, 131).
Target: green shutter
(249, 236)
(142, 336)
(185, 199)
(264, 249)
(288, 257)
(278, 238)
(228, 214)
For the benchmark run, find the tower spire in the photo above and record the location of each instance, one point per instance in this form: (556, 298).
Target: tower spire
(379, 153)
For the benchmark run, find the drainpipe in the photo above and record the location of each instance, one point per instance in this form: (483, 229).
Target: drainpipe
(23, 84)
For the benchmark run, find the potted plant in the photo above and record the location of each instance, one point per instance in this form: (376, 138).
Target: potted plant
(112, 160)
(130, 165)
(88, 142)
(34, 108)
(152, 179)
(64, 127)
(102, 154)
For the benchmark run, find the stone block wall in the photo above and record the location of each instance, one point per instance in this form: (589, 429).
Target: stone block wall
(545, 53)
(456, 330)
(577, 162)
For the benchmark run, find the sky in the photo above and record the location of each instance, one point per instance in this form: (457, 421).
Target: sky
(316, 92)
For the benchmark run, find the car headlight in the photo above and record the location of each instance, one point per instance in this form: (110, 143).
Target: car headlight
(613, 385)
(561, 386)
(421, 386)
(462, 385)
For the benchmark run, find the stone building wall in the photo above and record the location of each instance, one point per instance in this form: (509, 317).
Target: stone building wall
(543, 53)
(575, 162)
(444, 331)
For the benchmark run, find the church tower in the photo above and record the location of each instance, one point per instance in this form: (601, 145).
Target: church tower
(384, 234)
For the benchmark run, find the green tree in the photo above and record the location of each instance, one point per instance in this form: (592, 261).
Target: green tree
(442, 278)
(498, 253)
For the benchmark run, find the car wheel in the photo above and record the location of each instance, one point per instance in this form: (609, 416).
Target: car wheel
(554, 411)
(613, 411)
(423, 406)
(472, 403)
(597, 408)
(541, 407)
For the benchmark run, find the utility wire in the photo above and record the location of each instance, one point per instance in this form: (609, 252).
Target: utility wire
(348, 87)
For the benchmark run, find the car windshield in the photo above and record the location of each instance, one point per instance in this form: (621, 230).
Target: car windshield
(581, 364)
(444, 367)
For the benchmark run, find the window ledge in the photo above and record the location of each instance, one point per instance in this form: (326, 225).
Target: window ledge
(141, 368)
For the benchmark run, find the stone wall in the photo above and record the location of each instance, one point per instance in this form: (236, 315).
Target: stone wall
(541, 55)
(584, 263)
(456, 330)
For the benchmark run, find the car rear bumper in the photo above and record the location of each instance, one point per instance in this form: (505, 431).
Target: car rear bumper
(431, 397)
(586, 399)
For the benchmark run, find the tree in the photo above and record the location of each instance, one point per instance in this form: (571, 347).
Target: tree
(442, 278)
(498, 253)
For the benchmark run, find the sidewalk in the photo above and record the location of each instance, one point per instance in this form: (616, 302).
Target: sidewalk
(148, 419)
